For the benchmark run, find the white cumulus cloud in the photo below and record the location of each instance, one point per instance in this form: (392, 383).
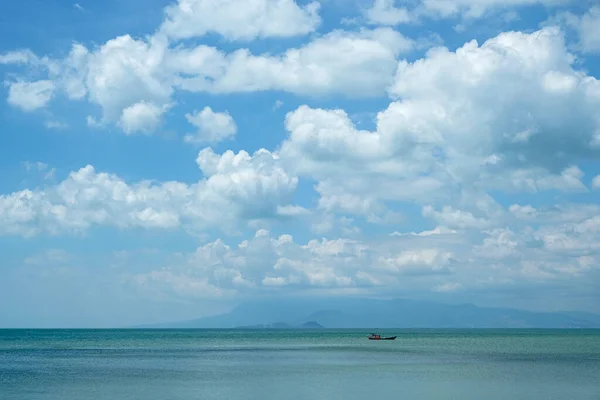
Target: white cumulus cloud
(237, 187)
(212, 127)
(351, 63)
(385, 12)
(30, 96)
(141, 117)
(240, 20)
(125, 76)
(511, 114)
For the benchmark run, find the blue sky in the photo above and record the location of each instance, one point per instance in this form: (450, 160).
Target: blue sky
(165, 160)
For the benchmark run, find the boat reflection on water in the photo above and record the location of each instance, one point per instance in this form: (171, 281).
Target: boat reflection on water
(375, 336)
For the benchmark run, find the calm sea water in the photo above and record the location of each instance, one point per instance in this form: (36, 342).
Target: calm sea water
(330, 364)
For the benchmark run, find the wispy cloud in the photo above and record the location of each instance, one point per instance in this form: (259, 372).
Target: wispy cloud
(42, 168)
(52, 124)
(277, 105)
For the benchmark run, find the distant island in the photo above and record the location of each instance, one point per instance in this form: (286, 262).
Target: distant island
(283, 325)
(380, 314)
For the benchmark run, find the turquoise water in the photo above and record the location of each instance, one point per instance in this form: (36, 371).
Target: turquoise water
(330, 364)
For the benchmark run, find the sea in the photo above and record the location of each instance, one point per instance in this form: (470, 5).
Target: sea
(299, 364)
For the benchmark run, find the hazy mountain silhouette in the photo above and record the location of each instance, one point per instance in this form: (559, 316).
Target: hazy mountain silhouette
(370, 313)
(284, 325)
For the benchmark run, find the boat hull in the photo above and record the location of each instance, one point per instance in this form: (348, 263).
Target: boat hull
(384, 338)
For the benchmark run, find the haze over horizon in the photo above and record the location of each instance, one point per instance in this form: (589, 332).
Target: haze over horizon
(165, 160)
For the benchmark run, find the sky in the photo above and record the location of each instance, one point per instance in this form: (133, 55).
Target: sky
(164, 160)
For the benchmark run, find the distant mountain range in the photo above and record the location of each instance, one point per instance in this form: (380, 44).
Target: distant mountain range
(283, 325)
(383, 314)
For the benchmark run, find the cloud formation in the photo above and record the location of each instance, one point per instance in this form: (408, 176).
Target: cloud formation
(212, 127)
(235, 20)
(133, 80)
(236, 187)
(586, 27)
(30, 96)
(477, 171)
(394, 12)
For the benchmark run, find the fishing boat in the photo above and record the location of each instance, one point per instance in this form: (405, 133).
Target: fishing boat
(375, 336)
